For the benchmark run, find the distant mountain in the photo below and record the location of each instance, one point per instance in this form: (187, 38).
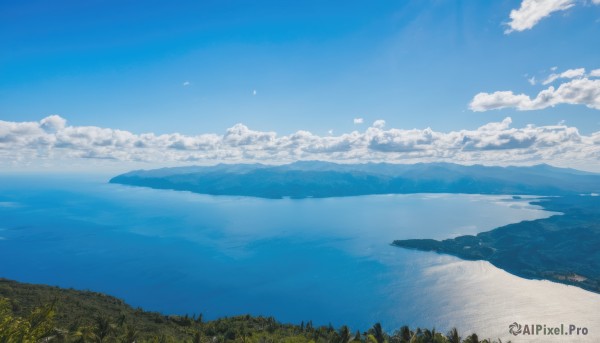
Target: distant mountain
(324, 179)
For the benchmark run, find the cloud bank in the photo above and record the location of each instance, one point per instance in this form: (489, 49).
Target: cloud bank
(52, 140)
(582, 89)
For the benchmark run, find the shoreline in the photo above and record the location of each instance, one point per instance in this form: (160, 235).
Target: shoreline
(541, 249)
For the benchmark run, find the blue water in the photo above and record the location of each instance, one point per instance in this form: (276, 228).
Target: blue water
(326, 260)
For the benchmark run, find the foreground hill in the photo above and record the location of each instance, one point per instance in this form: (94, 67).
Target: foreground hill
(39, 313)
(323, 179)
(562, 248)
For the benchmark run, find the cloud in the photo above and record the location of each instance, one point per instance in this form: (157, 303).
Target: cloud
(51, 141)
(595, 72)
(532, 80)
(582, 91)
(358, 121)
(380, 124)
(568, 74)
(53, 123)
(532, 11)
(186, 83)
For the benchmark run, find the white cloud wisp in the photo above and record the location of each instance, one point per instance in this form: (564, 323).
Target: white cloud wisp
(567, 74)
(532, 11)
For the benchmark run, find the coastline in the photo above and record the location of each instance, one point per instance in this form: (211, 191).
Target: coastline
(559, 248)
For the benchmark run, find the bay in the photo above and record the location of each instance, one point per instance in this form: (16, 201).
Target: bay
(326, 260)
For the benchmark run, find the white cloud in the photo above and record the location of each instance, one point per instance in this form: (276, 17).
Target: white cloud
(52, 142)
(531, 80)
(186, 83)
(581, 91)
(497, 100)
(358, 121)
(532, 11)
(53, 123)
(572, 73)
(568, 74)
(380, 124)
(595, 72)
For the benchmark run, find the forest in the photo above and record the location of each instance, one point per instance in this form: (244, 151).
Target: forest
(39, 313)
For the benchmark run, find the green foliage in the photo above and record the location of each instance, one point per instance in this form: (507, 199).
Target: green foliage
(37, 326)
(21, 321)
(377, 332)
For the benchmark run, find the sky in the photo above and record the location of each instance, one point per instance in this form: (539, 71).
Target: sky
(122, 84)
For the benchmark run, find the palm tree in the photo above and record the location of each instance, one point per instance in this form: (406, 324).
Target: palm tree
(453, 336)
(472, 339)
(103, 329)
(378, 333)
(429, 336)
(405, 334)
(83, 334)
(344, 334)
(130, 335)
(243, 334)
(121, 320)
(416, 336)
(41, 323)
(197, 337)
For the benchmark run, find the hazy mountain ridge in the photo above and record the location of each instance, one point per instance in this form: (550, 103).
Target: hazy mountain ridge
(325, 179)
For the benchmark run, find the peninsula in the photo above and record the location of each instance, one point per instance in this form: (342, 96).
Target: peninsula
(323, 179)
(561, 248)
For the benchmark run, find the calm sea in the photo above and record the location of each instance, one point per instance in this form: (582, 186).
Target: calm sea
(325, 260)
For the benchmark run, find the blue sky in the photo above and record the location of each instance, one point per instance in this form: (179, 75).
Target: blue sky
(193, 68)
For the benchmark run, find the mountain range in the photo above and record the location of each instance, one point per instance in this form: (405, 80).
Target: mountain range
(318, 179)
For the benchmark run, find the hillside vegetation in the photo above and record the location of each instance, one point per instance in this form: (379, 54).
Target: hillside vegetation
(37, 313)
